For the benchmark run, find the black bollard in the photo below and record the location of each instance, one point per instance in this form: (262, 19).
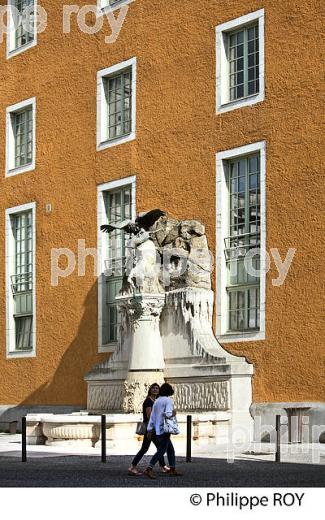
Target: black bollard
(189, 438)
(278, 438)
(104, 438)
(23, 440)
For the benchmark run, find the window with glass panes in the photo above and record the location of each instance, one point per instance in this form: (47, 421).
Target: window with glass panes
(243, 57)
(119, 100)
(243, 180)
(22, 123)
(22, 279)
(118, 207)
(22, 35)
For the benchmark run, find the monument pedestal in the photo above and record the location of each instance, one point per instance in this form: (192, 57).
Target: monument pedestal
(166, 333)
(122, 383)
(170, 338)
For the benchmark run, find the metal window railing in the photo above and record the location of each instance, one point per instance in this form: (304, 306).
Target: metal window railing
(22, 282)
(237, 246)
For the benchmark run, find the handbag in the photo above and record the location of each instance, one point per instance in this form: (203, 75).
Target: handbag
(171, 425)
(141, 428)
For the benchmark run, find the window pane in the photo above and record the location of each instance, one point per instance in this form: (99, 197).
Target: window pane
(241, 183)
(24, 24)
(240, 64)
(251, 60)
(239, 78)
(243, 60)
(234, 201)
(251, 33)
(252, 181)
(240, 37)
(23, 332)
(118, 207)
(252, 319)
(252, 87)
(240, 50)
(244, 233)
(253, 164)
(23, 136)
(241, 198)
(251, 47)
(232, 94)
(119, 104)
(251, 73)
(240, 91)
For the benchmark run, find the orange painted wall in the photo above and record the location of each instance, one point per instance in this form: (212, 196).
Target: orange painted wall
(173, 157)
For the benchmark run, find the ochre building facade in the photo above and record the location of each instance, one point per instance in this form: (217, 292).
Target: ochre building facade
(195, 87)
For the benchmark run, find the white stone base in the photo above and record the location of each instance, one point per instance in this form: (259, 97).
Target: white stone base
(72, 430)
(264, 414)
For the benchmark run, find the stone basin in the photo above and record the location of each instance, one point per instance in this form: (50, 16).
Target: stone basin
(54, 430)
(76, 429)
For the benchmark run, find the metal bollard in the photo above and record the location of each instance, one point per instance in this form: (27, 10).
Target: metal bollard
(278, 438)
(23, 440)
(189, 438)
(104, 438)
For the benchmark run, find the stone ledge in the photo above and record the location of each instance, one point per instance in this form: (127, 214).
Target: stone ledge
(61, 429)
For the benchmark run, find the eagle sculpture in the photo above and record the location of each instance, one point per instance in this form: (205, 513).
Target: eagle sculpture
(143, 221)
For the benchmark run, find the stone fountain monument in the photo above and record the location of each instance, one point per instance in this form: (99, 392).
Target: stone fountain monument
(166, 312)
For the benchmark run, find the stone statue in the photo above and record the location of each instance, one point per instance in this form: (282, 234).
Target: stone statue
(164, 253)
(166, 314)
(185, 256)
(140, 226)
(142, 270)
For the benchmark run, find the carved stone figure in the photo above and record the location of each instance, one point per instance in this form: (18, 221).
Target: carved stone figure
(183, 248)
(166, 310)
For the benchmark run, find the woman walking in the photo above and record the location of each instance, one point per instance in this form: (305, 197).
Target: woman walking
(163, 408)
(148, 403)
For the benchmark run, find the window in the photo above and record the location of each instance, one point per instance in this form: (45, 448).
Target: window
(241, 242)
(112, 4)
(118, 95)
(20, 246)
(116, 104)
(243, 182)
(23, 34)
(240, 62)
(116, 203)
(22, 280)
(243, 57)
(21, 137)
(118, 207)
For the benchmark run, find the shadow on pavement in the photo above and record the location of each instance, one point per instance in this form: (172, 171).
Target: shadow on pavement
(88, 471)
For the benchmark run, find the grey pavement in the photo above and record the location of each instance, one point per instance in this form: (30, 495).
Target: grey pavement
(60, 467)
(81, 471)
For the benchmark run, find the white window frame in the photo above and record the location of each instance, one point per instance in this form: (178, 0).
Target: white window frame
(10, 139)
(222, 95)
(10, 257)
(102, 245)
(104, 7)
(222, 231)
(12, 50)
(102, 123)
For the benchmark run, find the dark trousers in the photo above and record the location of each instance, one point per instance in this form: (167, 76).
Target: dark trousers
(144, 448)
(165, 445)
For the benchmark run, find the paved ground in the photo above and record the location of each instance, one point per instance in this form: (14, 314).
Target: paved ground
(79, 471)
(59, 467)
